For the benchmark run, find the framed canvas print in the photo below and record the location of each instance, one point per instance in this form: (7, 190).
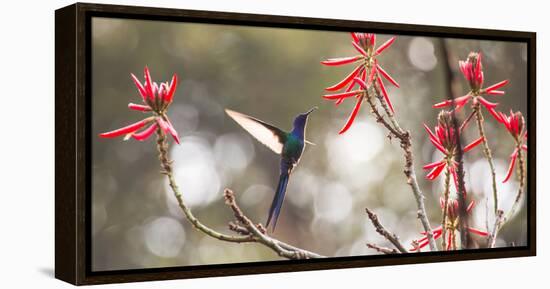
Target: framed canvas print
(195, 143)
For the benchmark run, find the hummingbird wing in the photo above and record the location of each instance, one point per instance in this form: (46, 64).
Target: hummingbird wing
(269, 135)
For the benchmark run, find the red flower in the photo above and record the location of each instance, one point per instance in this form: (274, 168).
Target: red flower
(515, 124)
(444, 139)
(472, 69)
(364, 44)
(451, 226)
(156, 99)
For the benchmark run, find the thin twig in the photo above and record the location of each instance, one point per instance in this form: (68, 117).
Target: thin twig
(238, 229)
(467, 120)
(380, 118)
(382, 231)
(406, 144)
(498, 224)
(517, 201)
(284, 250)
(487, 214)
(445, 205)
(487, 152)
(381, 249)
(521, 171)
(247, 230)
(462, 204)
(166, 165)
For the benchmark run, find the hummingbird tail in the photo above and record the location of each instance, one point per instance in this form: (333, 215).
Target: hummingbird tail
(277, 201)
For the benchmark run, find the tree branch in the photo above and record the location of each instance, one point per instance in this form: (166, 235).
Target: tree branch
(247, 231)
(498, 223)
(445, 205)
(260, 235)
(487, 152)
(462, 203)
(500, 218)
(406, 144)
(521, 173)
(381, 119)
(467, 120)
(382, 231)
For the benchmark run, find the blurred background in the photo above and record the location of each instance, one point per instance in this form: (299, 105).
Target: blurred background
(274, 74)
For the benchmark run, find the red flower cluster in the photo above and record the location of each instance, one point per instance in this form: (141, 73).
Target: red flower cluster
(156, 98)
(515, 124)
(451, 226)
(444, 139)
(367, 72)
(472, 69)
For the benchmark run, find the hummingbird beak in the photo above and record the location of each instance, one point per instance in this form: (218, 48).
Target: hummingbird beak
(311, 110)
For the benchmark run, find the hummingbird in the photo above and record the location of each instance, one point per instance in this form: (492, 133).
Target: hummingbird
(290, 145)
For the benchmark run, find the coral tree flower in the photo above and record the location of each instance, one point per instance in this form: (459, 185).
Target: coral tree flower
(451, 226)
(156, 99)
(367, 73)
(472, 69)
(444, 139)
(515, 124)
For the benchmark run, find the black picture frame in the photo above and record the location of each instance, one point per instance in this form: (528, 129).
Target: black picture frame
(73, 132)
